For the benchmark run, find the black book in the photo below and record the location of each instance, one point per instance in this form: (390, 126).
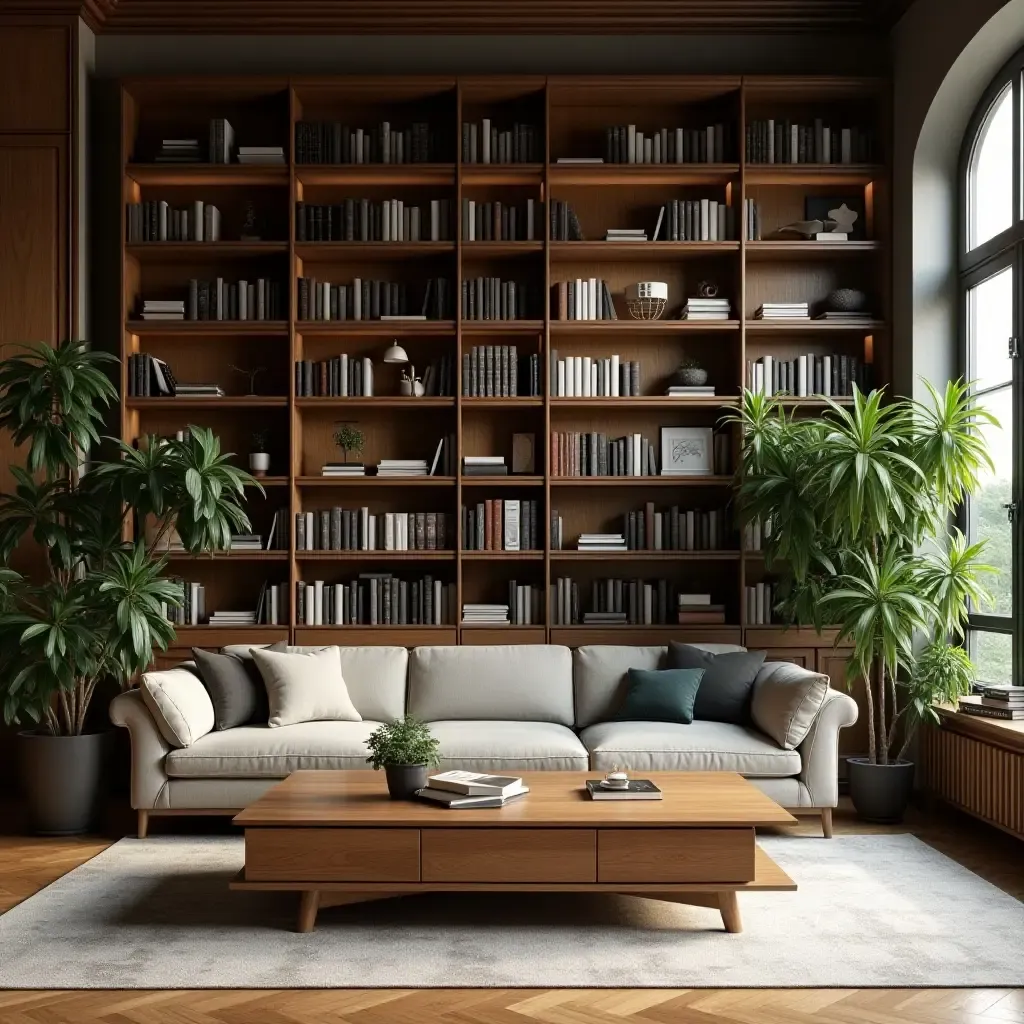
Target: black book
(636, 789)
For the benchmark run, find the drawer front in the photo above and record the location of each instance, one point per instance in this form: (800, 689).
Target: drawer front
(332, 855)
(652, 855)
(509, 855)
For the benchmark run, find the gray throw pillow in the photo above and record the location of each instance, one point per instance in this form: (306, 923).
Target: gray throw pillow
(235, 687)
(727, 687)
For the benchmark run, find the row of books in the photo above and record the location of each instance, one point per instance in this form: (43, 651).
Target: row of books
(359, 529)
(1003, 702)
(271, 608)
(626, 144)
(594, 376)
(497, 371)
(158, 221)
(760, 601)
(373, 220)
(522, 608)
(331, 142)
(582, 453)
(218, 299)
(501, 524)
(833, 376)
(490, 298)
(342, 376)
(582, 299)
(485, 143)
(149, 377)
(500, 222)
(375, 599)
(696, 220)
(755, 533)
(675, 529)
(619, 601)
(783, 141)
(751, 220)
(565, 225)
(371, 300)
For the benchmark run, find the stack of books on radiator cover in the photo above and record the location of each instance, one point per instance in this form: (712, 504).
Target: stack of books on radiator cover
(462, 790)
(1003, 702)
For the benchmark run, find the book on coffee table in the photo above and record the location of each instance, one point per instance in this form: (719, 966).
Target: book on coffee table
(638, 789)
(455, 801)
(475, 783)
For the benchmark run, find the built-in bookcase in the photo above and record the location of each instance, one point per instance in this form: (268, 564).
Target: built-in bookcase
(707, 153)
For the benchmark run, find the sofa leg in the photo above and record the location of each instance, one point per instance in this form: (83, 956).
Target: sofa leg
(826, 822)
(143, 823)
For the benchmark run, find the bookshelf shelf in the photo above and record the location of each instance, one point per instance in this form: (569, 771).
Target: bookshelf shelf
(571, 116)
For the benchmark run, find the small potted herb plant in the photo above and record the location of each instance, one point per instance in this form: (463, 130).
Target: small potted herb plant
(259, 457)
(405, 749)
(349, 439)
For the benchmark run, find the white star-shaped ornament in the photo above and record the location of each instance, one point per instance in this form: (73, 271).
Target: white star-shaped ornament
(844, 218)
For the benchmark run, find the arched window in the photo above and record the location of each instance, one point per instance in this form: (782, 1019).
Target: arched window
(991, 272)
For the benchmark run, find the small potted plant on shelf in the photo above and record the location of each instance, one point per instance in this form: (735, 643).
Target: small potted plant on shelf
(259, 457)
(349, 439)
(691, 374)
(405, 749)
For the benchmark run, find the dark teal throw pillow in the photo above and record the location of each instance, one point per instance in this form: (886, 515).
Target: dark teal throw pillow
(665, 695)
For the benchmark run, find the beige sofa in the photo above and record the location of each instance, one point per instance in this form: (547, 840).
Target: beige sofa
(508, 708)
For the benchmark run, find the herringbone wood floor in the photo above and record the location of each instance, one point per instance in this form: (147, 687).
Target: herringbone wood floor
(26, 865)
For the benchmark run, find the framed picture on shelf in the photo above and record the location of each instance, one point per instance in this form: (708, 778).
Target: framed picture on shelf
(687, 451)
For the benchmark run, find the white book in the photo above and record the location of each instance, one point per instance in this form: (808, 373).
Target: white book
(592, 299)
(560, 381)
(389, 532)
(713, 220)
(648, 150)
(198, 221)
(705, 234)
(318, 602)
(826, 375)
(801, 377)
(311, 544)
(367, 377)
(615, 371)
(637, 446)
(344, 375)
(309, 617)
(511, 510)
(593, 379)
(577, 377)
(586, 373)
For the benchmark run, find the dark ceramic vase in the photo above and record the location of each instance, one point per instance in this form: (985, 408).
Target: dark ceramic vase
(62, 776)
(405, 779)
(880, 792)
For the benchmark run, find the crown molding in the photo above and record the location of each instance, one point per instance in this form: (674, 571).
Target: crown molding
(93, 12)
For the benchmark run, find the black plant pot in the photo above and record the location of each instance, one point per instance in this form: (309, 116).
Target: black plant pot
(880, 792)
(62, 778)
(405, 779)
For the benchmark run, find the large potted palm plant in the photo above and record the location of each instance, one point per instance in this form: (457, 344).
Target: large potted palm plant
(859, 504)
(98, 607)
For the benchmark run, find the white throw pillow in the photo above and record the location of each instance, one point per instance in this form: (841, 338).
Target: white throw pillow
(179, 704)
(305, 687)
(787, 699)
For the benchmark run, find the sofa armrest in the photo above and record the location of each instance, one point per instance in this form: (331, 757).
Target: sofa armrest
(819, 751)
(149, 748)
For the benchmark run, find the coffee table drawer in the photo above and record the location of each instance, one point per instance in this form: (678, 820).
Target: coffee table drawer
(509, 855)
(332, 855)
(652, 855)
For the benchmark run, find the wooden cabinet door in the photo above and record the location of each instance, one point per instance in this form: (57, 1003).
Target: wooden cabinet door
(802, 656)
(35, 78)
(853, 741)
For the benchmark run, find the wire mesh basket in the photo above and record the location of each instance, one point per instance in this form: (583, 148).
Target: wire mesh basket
(646, 300)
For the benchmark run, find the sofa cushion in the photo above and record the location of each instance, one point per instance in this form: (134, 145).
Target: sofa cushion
(375, 677)
(305, 687)
(660, 695)
(725, 690)
(698, 747)
(179, 704)
(787, 699)
(599, 675)
(509, 746)
(257, 751)
(235, 687)
(514, 682)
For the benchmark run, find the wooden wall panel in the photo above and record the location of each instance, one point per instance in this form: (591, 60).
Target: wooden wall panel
(35, 83)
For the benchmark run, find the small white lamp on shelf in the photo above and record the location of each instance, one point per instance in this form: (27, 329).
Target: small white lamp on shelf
(410, 384)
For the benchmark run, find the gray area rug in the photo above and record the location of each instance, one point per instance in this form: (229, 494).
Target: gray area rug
(870, 911)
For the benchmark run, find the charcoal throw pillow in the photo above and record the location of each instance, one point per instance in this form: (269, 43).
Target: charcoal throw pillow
(728, 684)
(235, 687)
(660, 695)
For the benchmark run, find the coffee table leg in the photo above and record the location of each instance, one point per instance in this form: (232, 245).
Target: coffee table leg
(730, 909)
(309, 903)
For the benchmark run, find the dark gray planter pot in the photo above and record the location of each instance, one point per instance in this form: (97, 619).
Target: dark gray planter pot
(880, 792)
(405, 779)
(61, 776)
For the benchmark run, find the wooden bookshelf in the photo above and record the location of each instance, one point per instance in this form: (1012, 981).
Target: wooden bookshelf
(570, 115)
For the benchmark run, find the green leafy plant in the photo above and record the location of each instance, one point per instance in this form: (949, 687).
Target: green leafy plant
(349, 439)
(858, 503)
(98, 610)
(404, 741)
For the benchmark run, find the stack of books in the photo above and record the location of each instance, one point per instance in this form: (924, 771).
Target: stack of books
(783, 311)
(759, 600)
(198, 391)
(163, 309)
(222, 140)
(625, 235)
(604, 618)
(697, 610)
(402, 467)
(705, 309)
(485, 614)
(246, 542)
(484, 465)
(833, 316)
(690, 391)
(179, 151)
(233, 619)
(261, 154)
(471, 789)
(343, 469)
(1001, 701)
(601, 542)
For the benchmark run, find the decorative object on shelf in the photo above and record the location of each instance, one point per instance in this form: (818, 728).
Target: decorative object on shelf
(259, 457)
(846, 300)
(405, 749)
(843, 560)
(252, 373)
(687, 451)
(691, 374)
(845, 214)
(250, 225)
(349, 438)
(524, 447)
(100, 611)
(707, 290)
(646, 300)
(410, 384)
(808, 229)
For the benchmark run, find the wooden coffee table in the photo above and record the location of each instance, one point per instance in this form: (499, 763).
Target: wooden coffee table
(335, 837)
